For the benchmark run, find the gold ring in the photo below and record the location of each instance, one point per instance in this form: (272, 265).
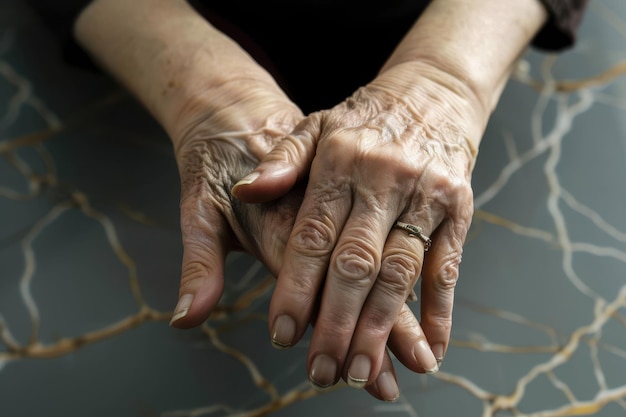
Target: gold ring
(415, 231)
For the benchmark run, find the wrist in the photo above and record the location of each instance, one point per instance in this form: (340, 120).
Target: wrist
(475, 41)
(242, 105)
(173, 61)
(437, 97)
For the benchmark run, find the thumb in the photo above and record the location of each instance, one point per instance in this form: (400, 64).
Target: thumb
(202, 278)
(282, 167)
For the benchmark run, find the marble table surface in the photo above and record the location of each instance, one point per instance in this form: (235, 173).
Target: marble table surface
(90, 255)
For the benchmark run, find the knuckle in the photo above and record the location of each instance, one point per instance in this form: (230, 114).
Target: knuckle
(449, 187)
(356, 265)
(199, 249)
(448, 274)
(192, 276)
(462, 190)
(454, 186)
(316, 233)
(330, 190)
(303, 291)
(313, 236)
(398, 273)
(336, 325)
(379, 319)
(440, 320)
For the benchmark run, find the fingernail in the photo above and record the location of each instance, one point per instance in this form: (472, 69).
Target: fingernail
(182, 308)
(426, 357)
(248, 179)
(359, 371)
(283, 332)
(323, 371)
(438, 352)
(387, 386)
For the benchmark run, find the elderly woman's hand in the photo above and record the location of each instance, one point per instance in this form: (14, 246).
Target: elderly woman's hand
(400, 149)
(382, 156)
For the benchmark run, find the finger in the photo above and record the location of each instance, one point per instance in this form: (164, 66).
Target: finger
(269, 226)
(354, 266)
(400, 269)
(289, 161)
(408, 343)
(439, 278)
(318, 223)
(385, 387)
(405, 336)
(202, 277)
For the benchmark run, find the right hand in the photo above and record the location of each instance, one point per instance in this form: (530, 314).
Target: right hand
(396, 150)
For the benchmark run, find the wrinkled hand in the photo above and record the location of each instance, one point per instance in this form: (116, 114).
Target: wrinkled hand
(214, 223)
(391, 152)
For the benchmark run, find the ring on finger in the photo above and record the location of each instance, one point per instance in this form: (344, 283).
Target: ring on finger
(415, 231)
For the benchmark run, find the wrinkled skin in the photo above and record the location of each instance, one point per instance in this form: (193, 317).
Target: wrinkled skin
(213, 223)
(385, 154)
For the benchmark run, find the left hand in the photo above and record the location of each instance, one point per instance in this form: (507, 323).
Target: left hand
(392, 152)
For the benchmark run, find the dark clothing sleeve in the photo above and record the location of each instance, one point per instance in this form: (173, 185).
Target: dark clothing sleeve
(560, 31)
(59, 18)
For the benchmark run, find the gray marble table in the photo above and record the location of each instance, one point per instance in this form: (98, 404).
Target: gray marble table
(90, 254)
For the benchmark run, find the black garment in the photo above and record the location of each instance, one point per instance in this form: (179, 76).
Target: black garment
(560, 30)
(319, 50)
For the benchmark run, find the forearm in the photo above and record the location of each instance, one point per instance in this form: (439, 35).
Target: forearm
(170, 58)
(476, 42)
